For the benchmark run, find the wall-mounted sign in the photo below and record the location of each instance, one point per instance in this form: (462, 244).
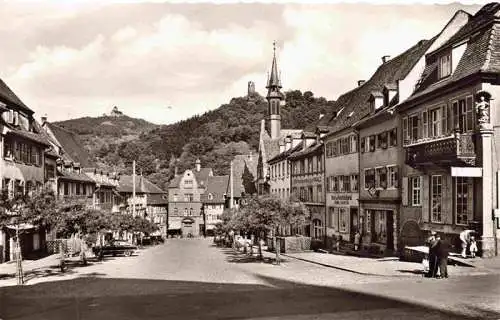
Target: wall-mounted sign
(466, 172)
(349, 199)
(307, 180)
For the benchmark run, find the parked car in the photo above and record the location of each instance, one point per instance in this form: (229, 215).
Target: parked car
(115, 247)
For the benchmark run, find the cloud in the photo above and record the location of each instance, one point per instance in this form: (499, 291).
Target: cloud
(71, 63)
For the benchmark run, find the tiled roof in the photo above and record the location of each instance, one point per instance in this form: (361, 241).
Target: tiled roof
(74, 176)
(70, 144)
(36, 137)
(354, 105)
(482, 53)
(142, 185)
(9, 97)
(216, 186)
(201, 178)
(313, 148)
(285, 154)
(157, 199)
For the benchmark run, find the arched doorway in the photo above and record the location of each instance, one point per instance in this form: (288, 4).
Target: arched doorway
(187, 227)
(411, 236)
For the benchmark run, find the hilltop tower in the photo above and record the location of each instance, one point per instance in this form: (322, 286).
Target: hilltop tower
(274, 98)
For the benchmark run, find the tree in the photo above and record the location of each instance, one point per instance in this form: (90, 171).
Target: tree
(248, 181)
(262, 215)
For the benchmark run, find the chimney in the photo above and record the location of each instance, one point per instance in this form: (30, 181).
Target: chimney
(282, 147)
(198, 165)
(385, 58)
(361, 82)
(288, 142)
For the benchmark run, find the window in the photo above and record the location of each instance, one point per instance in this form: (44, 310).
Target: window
(445, 65)
(371, 145)
(319, 164)
(8, 148)
(382, 140)
(65, 188)
(406, 135)
(310, 194)
(336, 187)
(436, 198)
(188, 183)
(435, 122)
(185, 212)
(381, 178)
(310, 165)
(392, 176)
(319, 190)
(463, 200)
(363, 145)
(369, 178)
(317, 229)
(343, 220)
(334, 218)
(354, 183)
(188, 197)
(354, 143)
(282, 169)
(210, 196)
(347, 184)
(415, 188)
(175, 197)
(190, 211)
(413, 129)
(425, 124)
(303, 166)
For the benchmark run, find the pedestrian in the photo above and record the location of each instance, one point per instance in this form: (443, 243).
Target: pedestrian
(443, 251)
(337, 244)
(357, 240)
(473, 247)
(433, 263)
(465, 238)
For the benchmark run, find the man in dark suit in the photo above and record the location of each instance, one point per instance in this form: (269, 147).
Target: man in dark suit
(433, 256)
(443, 250)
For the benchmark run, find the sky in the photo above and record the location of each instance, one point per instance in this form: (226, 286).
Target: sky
(164, 62)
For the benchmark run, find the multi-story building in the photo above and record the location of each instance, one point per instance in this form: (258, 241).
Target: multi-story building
(280, 168)
(22, 147)
(240, 186)
(214, 202)
(185, 214)
(307, 181)
(150, 201)
(450, 137)
(270, 141)
(381, 155)
(342, 148)
(77, 179)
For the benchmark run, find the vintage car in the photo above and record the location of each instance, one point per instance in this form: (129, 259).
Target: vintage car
(115, 247)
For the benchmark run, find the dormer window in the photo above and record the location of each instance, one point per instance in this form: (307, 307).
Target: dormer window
(376, 100)
(444, 65)
(210, 196)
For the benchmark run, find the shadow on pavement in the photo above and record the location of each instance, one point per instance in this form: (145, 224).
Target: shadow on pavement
(107, 298)
(414, 271)
(240, 257)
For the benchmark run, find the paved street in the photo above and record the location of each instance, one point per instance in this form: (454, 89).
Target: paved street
(191, 279)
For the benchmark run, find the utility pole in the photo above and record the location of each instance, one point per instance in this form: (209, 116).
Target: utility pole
(231, 187)
(133, 188)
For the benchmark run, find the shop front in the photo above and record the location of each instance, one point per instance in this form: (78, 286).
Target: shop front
(342, 215)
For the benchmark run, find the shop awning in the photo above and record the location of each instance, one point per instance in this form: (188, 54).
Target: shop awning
(22, 226)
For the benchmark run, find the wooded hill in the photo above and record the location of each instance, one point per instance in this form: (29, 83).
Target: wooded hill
(215, 137)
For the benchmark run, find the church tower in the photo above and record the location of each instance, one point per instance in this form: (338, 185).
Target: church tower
(274, 98)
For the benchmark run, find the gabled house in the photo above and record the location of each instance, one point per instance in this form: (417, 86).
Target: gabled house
(450, 137)
(185, 208)
(77, 178)
(381, 157)
(22, 147)
(214, 202)
(344, 177)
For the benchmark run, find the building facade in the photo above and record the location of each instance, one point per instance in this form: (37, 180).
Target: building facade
(185, 207)
(214, 202)
(448, 124)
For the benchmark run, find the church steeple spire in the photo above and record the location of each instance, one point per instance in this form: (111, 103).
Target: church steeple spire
(274, 80)
(274, 97)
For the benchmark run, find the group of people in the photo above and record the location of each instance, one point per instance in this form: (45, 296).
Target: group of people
(468, 242)
(439, 249)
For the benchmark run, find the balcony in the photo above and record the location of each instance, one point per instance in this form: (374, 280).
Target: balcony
(457, 149)
(81, 199)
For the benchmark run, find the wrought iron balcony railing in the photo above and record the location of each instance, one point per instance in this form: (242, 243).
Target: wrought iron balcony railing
(458, 148)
